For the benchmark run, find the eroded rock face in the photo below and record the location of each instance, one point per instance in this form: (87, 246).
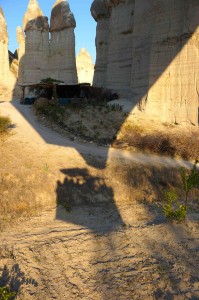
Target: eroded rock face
(101, 14)
(7, 79)
(21, 53)
(85, 67)
(32, 15)
(49, 52)
(152, 54)
(62, 44)
(119, 61)
(166, 59)
(61, 16)
(3, 28)
(35, 60)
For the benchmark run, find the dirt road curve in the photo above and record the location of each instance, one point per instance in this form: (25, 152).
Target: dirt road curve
(105, 252)
(30, 130)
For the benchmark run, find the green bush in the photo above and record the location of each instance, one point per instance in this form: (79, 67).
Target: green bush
(175, 209)
(6, 294)
(5, 122)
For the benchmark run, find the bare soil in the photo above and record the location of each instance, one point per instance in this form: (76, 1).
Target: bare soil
(82, 222)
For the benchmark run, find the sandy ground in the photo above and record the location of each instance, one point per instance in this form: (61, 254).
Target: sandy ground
(109, 251)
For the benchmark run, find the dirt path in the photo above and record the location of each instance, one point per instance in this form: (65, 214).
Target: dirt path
(111, 251)
(28, 129)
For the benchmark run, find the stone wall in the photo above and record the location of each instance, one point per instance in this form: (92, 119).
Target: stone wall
(152, 55)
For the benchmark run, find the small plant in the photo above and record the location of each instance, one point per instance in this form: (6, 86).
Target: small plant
(190, 180)
(46, 167)
(6, 251)
(6, 294)
(175, 209)
(5, 123)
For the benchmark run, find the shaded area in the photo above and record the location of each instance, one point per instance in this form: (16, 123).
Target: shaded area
(80, 189)
(14, 278)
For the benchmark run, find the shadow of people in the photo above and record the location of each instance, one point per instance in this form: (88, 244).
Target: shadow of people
(86, 200)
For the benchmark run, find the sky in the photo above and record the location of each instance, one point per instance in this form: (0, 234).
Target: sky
(85, 31)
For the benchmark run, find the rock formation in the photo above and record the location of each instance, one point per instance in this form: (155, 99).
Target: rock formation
(62, 43)
(42, 56)
(152, 55)
(7, 79)
(4, 61)
(101, 15)
(21, 53)
(36, 28)
(119, 57)
(85, 67)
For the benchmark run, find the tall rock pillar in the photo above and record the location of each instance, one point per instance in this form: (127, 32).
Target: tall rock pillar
(4, 61)
(85, 67)
(119, 63)
(7, 78)
(36, 44)
(21, 53)
(101, 15)
(62, 61)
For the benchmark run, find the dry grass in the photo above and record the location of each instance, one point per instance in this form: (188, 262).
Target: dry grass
(88, 122)
(5, 123)
(24, 194)
(174, 142)
(105, 125)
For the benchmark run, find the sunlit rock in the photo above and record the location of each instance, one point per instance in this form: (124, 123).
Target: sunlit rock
(85, 67)
(7, 79)
(36, 28)
(62, 62)
(21, 53)
(149, 51)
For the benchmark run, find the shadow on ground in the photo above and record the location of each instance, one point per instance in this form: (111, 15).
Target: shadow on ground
(14, 278)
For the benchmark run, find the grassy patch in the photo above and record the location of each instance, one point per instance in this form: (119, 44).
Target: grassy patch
(87, 121)
(108, 124)
(5, 123)
(174, 143)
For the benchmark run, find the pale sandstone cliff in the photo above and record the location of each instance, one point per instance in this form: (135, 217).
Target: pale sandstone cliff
(21, 53)
(152, 52)
(101, 15)
(36, 28)
(62, 63)
(7, 79)
(119, 59)
(85, 67)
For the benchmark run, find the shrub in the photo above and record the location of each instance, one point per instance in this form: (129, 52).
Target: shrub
(175, 209)
(5, 122)
(6, 294)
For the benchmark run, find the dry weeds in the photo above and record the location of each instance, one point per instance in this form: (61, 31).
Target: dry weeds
(105, 125)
